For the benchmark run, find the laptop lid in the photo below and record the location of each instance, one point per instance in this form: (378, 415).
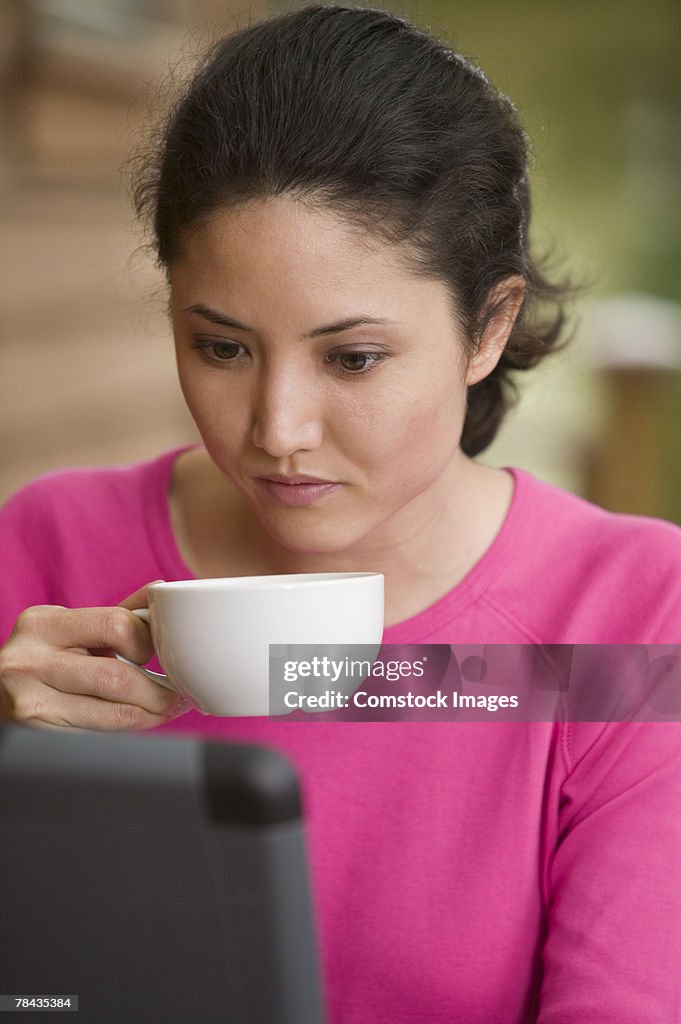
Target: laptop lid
(155, 879)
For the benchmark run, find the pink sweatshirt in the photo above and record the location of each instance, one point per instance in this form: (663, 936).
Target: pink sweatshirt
(468, 872)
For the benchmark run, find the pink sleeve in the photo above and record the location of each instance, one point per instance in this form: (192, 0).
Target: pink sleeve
(613, 946)
(27, 555)
(84, 537)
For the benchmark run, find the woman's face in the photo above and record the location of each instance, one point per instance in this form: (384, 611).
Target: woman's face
(377, 407)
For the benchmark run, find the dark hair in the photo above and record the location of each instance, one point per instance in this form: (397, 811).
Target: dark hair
(360, 111)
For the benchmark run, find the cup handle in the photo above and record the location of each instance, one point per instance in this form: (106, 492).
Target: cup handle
(156, 677)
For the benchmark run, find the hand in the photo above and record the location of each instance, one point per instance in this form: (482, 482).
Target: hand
(56, 672)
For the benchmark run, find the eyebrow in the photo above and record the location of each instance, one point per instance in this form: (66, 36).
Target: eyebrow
(343, 325)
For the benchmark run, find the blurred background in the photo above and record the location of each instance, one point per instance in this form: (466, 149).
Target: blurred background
(87, 375)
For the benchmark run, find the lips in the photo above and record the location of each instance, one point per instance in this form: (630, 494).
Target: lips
(298, 494)
(295, 479)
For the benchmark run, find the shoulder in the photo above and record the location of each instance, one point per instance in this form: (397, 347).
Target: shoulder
(85, 520)
(99, 491)
(594, 575)
(591, 528)
(587, 530)
(83, 536)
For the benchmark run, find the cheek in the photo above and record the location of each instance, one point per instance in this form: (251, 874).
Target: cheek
(213, 411)
(413, 435)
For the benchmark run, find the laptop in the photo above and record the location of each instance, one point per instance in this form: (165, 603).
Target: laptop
(150, 879)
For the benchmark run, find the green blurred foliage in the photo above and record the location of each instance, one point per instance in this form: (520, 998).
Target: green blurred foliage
(597, 88)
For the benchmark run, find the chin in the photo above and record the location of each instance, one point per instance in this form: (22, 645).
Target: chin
(312, 538)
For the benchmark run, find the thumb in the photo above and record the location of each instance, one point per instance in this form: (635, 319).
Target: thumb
(140, 598)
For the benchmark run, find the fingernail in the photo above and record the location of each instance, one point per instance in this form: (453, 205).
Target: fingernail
(179, 707)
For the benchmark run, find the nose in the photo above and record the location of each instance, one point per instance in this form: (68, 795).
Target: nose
(287, 414)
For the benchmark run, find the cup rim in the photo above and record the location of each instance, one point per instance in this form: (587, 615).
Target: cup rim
(279, 581)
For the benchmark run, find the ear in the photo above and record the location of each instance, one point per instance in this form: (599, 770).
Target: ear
(508, 295)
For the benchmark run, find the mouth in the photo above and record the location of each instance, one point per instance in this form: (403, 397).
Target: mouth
(306, 492)
(294, 479)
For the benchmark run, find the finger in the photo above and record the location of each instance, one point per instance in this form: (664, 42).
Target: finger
(140, 598)
(69, 712)
(116, 628)
(68, 672)
(103, 678)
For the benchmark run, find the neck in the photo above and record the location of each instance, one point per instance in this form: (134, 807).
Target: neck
(423, 551)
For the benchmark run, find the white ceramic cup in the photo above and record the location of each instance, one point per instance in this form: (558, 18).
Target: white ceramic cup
(212, 636)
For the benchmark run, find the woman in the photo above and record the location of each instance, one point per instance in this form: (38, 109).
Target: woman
(341, 206)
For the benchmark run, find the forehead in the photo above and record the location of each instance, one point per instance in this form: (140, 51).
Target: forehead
(280, 253)
(287, 229)
(281, 215)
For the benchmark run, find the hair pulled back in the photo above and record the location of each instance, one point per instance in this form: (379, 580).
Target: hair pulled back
(358, 110)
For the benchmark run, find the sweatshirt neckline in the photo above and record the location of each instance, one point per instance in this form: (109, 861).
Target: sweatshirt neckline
(412, 630)
(157, 510)
(478, 578)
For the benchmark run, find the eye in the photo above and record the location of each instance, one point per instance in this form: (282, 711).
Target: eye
(357, 363)
(218, 351)
(368, 359)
